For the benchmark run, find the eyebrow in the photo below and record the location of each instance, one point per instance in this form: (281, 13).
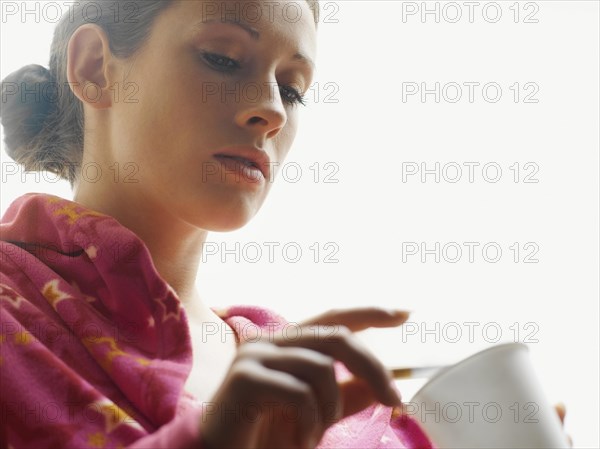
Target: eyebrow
(253, 32)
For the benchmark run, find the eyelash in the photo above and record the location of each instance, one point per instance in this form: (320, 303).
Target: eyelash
(296, 98)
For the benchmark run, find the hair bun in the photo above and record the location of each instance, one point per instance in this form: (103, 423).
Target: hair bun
(29, 96)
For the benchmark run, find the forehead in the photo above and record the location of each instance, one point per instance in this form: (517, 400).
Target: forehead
(288, 22)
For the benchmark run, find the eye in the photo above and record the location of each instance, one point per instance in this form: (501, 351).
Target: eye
(292, 96)
(220, 62)
(224, 64)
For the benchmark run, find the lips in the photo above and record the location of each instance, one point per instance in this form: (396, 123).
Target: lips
(247, 162)
(249, 156)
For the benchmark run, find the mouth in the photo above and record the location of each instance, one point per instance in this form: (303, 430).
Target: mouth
(249, 158)
(246, 162)
(249, 170)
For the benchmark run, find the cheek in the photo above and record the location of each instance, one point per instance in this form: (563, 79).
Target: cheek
(285, 139)
(159, 123)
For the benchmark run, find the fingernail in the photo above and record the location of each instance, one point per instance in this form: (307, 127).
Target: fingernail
(400, 410)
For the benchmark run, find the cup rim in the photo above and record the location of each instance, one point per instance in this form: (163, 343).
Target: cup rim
(459, 364)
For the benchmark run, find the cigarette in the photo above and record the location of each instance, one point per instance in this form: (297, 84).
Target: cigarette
(415, 372)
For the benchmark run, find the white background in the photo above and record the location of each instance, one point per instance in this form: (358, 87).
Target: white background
(367, 50)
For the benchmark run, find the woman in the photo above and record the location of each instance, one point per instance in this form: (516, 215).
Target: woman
(104, 335)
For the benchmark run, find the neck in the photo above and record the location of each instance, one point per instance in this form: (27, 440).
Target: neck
(175, 246)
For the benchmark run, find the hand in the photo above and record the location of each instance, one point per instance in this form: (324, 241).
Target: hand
(282, 393)
(562, 411)
(357, 394)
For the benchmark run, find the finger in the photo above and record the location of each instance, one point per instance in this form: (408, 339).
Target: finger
(359, 319)
(561, 410)
(356, 396)
(315, 369)
(345, 347)
(270, 387)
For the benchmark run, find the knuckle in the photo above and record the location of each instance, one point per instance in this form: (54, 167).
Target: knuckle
(254, 350)
(375, 310)
(335, 334)
(333, 312)
(242, 370)
(301, 394)
(325, 364)
(342, 331)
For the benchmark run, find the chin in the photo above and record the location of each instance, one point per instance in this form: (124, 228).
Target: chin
(224, 220)
(227, 224)
(220, 211)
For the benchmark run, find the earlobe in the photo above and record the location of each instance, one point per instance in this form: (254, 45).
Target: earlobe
(87, 67)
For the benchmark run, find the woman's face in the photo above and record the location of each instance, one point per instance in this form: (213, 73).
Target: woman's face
(202, 85)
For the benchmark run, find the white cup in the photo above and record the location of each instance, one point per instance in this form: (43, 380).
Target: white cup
(491, 399)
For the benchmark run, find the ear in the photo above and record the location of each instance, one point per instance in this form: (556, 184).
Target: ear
(89, 66)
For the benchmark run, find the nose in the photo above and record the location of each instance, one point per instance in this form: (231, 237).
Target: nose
(262, 111)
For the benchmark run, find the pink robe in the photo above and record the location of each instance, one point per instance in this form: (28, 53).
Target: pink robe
(95, 346)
